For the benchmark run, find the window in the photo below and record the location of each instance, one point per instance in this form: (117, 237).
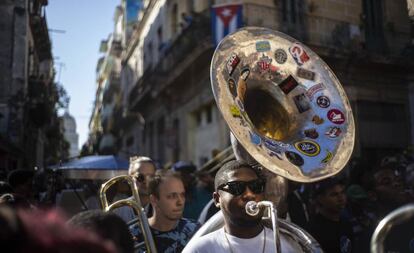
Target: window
(373, 20)
(174, 23)
(289, 11)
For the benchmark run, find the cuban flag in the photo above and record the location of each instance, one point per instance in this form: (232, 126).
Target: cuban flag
(225, 19)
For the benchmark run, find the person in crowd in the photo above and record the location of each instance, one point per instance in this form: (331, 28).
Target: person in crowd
(170, 230)
(207, 180)
(197, 191)
(108, 226)
(387, 192)
(237, 183)
(119, 191)
(22, 182)
(91, 191)
(15, 201)
(143, 168)
(297, 205)
(187, 20)
(5, 188)
(328, 227)
(409, 179)
(46, 232)
(360, 214)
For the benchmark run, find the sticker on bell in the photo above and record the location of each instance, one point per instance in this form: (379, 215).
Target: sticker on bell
(299, 54)
(232, 63)
(336, 116)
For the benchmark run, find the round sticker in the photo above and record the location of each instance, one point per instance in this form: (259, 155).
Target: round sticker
(280, 56)
(294, 158)
(336, 116)
(323, 101)
(307, 147)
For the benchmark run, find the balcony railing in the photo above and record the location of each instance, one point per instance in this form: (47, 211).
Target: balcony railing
(326, 33)
(172, 54)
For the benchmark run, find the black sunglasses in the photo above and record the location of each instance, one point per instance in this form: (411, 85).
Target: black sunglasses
(140, 178)
(237, 188)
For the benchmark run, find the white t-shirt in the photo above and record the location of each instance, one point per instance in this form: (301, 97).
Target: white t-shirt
(215, 242)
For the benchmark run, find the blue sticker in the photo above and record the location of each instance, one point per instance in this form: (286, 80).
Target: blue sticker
(255, 139)
(275, 146)
(262, 46)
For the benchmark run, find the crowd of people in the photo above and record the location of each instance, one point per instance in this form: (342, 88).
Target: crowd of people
(341, 212)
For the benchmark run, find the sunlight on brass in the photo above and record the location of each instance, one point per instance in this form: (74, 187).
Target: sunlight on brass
(132, 202)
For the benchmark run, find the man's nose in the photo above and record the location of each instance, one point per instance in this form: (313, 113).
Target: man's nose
(180, 200)
(248, 194)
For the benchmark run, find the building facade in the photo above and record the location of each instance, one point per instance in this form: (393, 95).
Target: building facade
(169, 109)
(29, 125)
(103, 125)
(70, 134)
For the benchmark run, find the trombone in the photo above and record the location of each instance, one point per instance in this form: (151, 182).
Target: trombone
(133, 202)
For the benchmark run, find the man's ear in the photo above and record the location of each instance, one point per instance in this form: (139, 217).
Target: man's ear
(216, 198)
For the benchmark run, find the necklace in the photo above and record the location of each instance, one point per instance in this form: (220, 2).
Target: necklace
(264, 241)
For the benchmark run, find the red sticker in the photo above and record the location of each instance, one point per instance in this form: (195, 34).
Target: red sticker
(336, 116)
(232, 62)
(299, 54)
(288, 84)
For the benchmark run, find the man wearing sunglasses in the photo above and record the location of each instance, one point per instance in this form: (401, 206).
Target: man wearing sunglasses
(142, 168)
(236, 183)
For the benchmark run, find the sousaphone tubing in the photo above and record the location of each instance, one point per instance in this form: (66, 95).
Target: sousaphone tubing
(283, 104)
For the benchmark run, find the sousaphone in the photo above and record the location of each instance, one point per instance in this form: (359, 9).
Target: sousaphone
(283, 104)
(287, 111)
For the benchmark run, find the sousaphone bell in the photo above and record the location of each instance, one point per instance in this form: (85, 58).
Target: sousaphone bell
(283, 104)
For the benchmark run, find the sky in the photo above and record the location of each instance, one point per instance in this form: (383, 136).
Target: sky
(85, 23)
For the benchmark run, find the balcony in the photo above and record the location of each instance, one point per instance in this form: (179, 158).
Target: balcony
(40, 33)
(192, 42)
(328, 34)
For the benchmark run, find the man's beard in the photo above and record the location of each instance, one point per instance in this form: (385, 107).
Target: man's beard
(240, 222)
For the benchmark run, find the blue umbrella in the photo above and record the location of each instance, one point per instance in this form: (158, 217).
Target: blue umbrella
(94, 167)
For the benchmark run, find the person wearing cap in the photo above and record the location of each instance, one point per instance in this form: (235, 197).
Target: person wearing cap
(332, 231)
